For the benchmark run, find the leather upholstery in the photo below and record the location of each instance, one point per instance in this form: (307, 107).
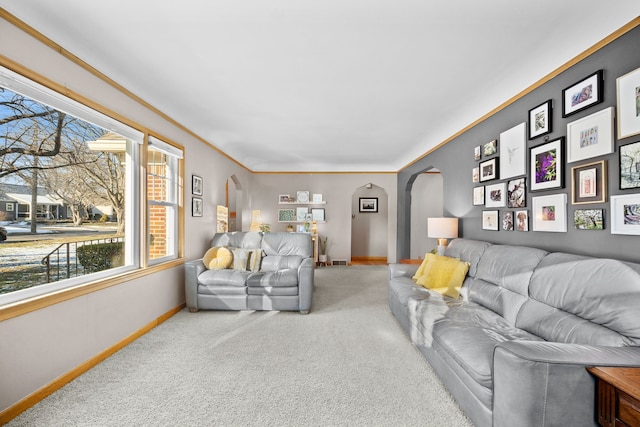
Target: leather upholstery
(285, 280)
(515, 352)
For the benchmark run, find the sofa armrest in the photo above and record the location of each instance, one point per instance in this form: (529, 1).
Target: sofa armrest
(402, 270)
(543, 383)
(192, 269)
(306, 275)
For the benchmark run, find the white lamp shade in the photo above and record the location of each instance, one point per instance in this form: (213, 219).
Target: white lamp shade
(442, 228)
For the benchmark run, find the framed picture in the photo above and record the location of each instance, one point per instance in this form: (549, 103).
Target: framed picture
(490, 220)
(478, 196)
(625, 214)
(475, 174)
(316, 198)
(522, 220)
(284, 198)
(302, 197)
(513, 157)
(196, 185)
(583, 94)
(489, 169)
(507, 221)
(490, 148)
(630, 166)
(301, 213)
(547, 165)
(196, 206)
(496, 195)
(540, 120)
(368, 204)
(317, 214)
(550, 213)
(516, 193)
(628, 94)
(588, 219)
(589, 183)
(286, 215)
(591, 136)
(477, 153)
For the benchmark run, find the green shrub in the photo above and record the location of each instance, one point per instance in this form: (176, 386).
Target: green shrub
(102, 256)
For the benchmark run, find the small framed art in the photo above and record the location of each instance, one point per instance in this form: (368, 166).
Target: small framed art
(628, 93)
(625, 214)
(490, 220)
(507, 221)
(478, 196)
(302, 196)
(196, 206)
(489, 169)
(196, 185)
(284, 198)
(522, 220)
(513, 158)
(317, 214)
(301, 213)
(477, 153)
(630, 166)
(490, 148)
(540, 120)
(516, 193)
(547, 165)
(475, 174)
(583, 94)
(550, 213)
(286, 215)
(590, 136)
(368, 204)
(588, 219)
(589, 183)
(496, 195)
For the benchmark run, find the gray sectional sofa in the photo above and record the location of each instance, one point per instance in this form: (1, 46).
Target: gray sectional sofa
(514, 349)
(284, 280)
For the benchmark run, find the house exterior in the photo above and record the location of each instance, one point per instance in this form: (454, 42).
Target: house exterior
(15, 204)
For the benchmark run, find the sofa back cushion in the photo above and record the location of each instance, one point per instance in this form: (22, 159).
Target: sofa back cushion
(501, 282)
(583, 300)
(238, 239)
(285, 250)
(467, 250)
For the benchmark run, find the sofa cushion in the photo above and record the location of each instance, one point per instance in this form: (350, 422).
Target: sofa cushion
(467, 250)
(225, 277)
(280, 262)
(442, 274)
(468, 334)
(583, 300)
(217, 258)
(221, 290)
(297, 244)
(238, 239)
(241, 258)
(288, 277)
(272, 290)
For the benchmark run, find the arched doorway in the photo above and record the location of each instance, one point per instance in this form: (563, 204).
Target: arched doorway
(426, 201)
(369, 224)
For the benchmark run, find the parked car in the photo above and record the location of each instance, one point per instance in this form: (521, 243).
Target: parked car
(3, 234)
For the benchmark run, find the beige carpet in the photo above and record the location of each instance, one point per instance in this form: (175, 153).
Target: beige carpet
(347, 363)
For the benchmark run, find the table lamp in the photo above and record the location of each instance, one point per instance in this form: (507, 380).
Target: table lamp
(442, 229)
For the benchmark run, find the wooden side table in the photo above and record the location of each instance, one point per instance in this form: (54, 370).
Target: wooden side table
(618, 396)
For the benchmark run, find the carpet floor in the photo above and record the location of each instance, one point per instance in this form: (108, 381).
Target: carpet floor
(347, 363)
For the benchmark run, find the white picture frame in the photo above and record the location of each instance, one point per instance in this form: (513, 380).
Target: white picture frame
(478, 196)
(495, 195)
(513, 156)
(625, 210)
(591, 136)
(301, 213)
(490, 220)
(550, 213)
(628, 98)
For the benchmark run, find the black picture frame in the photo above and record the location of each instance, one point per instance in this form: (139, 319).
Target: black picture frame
(196, 185)
(583, 94)
(541, 119)
(368, 204)
(489, 169)
(547, 165)
(197, 206)
(629, 166)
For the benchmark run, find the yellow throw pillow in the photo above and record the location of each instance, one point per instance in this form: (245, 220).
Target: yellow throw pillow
(420, 270)
(443, 274)
(217, 258)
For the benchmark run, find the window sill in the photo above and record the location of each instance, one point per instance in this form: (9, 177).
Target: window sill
(29, 305)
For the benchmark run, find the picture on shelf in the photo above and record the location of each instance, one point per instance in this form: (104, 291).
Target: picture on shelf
(284, 198)
(286, 215)
(301, 213)
(317, 214)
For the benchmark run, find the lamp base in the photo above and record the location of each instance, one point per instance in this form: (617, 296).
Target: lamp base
(442, 245)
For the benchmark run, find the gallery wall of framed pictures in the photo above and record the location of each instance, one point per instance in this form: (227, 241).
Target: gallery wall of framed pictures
(545, 176)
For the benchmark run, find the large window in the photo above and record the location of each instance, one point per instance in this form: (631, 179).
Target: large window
(70, 173)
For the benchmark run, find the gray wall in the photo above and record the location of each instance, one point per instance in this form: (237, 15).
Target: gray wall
(616, 59)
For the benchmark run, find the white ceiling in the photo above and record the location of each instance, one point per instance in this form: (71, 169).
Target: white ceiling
(325, 85)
